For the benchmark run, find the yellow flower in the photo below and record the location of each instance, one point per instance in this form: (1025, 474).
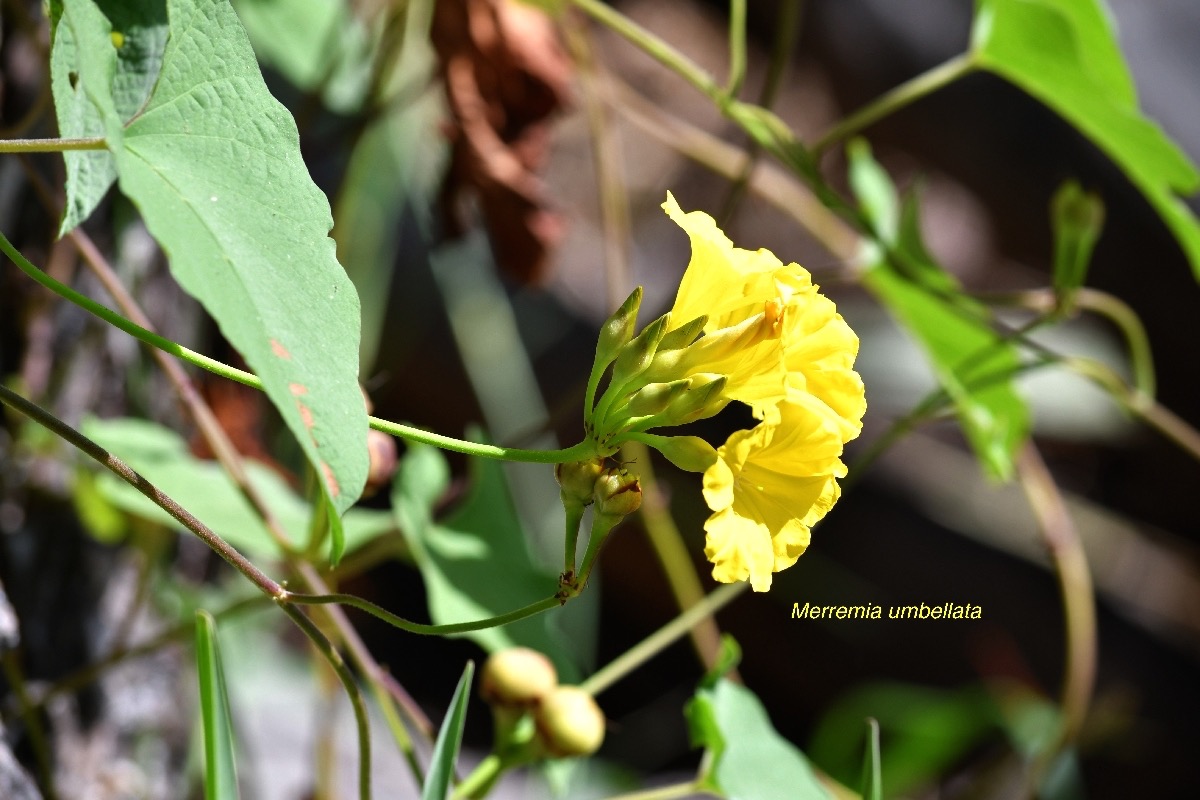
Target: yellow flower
(769, 486)
(819, 350)
(789, 355)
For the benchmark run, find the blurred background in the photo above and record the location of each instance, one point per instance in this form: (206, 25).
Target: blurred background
(464, 169)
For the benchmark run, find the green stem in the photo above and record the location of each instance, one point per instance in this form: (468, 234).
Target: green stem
(737, 47)
(1078, 598)
(407, 432)
(574, 515)
(656, 48)
(577, 452)
(1141, 361)
(387, 707)
(672, 552)
(336, 661)
(602, 526)
(1112, 308)
(481, 779)
(50, 145)
(671, 792)
(417, 627)
(661, 639)
(127, 474)
(906, 93)
(786, 31)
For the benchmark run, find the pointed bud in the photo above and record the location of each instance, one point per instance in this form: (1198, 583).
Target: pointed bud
(704, 398)
(689, 453)
(569, 723)
(618, 493)
(638, 354)
(683, 335)
(577, 480)
(517, 678)
(618, 329)
(656, 397)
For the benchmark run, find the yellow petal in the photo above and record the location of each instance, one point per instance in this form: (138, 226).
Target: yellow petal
(723, 282)
(739, 550)
(819, 351)
(778, 479)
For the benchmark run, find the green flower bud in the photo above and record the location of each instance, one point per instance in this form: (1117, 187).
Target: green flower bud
(569, 723)
(683, 335)
(638, 354)
(655, 398)
(690, 453)
(617, 493)
(517, 678)
(704, 398)
(577, 480)
(618, 329)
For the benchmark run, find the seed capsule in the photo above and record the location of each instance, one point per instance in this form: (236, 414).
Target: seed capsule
(517, 678)
(570, 723)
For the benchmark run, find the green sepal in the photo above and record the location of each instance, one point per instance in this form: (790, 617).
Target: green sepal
(689, 453)
(1078, 218)
(615, 333)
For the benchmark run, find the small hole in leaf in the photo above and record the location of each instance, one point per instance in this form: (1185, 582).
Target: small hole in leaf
(73, 77)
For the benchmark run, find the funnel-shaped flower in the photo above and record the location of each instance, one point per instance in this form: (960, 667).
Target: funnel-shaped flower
(769, 484)
(768, 487)
(745, 327)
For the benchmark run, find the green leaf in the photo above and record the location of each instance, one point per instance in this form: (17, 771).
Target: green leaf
(140, 28)
(476, 562)
(213, 164)
(973, 364)
(875, 192)
(1064, 53)
(872, 781)
(220, 773)
(1077, 217)
(749, 760)
(924, 731)
(203, 488)
(449, 739)
(729, 655)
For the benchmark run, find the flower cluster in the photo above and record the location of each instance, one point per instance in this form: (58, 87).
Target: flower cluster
(744, 327)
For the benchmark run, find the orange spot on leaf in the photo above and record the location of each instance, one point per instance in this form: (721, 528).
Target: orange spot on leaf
(297, 389)
(306, 415)
(279, 350)
(330, 480)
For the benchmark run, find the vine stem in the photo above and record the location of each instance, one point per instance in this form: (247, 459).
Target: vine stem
(672, 553)
(130, 476)
(408, 432)
(336, 661)
(51, 145)
(256, 576)
(530, 610)
(661, 639)
(890, 102)
(656, 48)
(787, 29)
(1111, 307)
(483, 777)
(669, 792)
(384, 688)
(1078, 598)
